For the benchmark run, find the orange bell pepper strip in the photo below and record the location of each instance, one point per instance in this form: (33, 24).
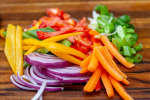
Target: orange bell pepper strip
(67, 57)
(64, 49)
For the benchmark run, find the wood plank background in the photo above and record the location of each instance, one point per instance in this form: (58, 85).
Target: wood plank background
(22, 12)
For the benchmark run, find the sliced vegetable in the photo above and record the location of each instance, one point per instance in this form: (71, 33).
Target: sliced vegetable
(109, 58)
(91, 84)
(106, 65)
(34, 32)
(138, 47)
(67, 57)
(107, 84)
(45, 60)
(10, 46)
(121, 91)
(138, 58)
(69, 71)
(93, 64)
(66, 43)
(98, 86)
(19, 50)
(115, 53)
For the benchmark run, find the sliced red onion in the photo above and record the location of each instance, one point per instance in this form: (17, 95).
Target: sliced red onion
(19, 85)
(45, 60)
(40, 91)
(36, 86)
(69, 71)
(39, 73)
(27, 78)
(40, 80)
(65, 79)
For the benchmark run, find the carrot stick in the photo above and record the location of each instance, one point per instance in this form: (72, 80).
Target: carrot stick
(86, 61)
(115, 53)
(84, 70)
(91, 84)
(107, 84)
(119, 88)
(106, 65)
(93, 63)
(111, 61)
(84, 64)
(125, 81)
(98, 86)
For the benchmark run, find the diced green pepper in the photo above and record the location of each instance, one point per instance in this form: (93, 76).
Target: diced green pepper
(42, 50)
(130, 59)
(138, 47)
(102, 9)
(66, 43)
(126, 51)
(138, 58)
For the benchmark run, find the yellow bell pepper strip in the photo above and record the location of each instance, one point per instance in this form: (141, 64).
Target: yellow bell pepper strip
(10, 50)
(67, 57)
(19, 51)
(54, 39)
(61, 37)
(27, 47)
(31, 41)
(64, 49)
(33, 48)
(36, 26)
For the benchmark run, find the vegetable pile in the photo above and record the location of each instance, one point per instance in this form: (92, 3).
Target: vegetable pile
(119, 30)
(59, 50)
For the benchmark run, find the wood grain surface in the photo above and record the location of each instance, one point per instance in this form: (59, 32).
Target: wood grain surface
(22, 12)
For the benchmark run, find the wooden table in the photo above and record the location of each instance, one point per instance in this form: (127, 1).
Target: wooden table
(24, 11)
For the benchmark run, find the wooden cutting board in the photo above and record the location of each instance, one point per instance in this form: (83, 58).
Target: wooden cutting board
(22, 12)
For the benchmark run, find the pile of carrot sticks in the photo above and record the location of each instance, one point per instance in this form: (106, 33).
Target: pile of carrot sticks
(105, 70)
